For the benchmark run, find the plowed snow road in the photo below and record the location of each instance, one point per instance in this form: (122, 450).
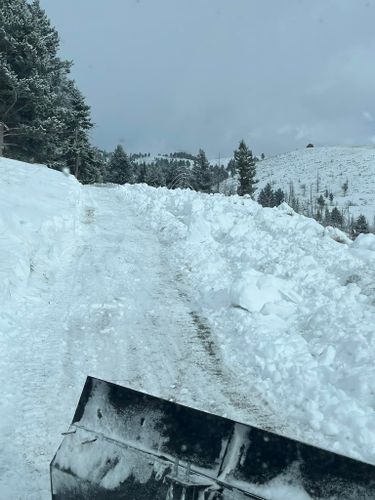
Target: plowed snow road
(117, 310)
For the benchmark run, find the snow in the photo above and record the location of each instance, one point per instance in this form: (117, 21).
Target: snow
(28, 243)
(261, 315)
(236, 450)
(93, 459)
(221, 161)
(292, 309)
(333, 166)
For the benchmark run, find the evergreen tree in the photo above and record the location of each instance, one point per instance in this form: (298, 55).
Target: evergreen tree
(91, 168)
(155, 176)
(245, 167)
(336, 217)
(43, 116)
(231, 167)
(279, 197)
(141, 173)
(31, 75)
(78, 152)
(202, 173)
(266, 196)
(321, 202)
(360, 226)
(119, 168)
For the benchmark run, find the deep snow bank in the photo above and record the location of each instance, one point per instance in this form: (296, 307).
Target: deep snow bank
(290, 307)
(37, 223)
(289, 304)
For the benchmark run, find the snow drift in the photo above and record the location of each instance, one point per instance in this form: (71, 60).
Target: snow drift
(290, 307)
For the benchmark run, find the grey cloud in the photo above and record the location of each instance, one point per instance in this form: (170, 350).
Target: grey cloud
(184, 74)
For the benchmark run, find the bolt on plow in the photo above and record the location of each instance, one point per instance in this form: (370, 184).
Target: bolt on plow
(124, 444)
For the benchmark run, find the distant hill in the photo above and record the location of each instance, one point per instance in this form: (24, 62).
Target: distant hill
(312, 172)
(155, 158)
(315, 170)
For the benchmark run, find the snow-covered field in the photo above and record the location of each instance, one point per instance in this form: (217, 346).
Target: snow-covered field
(259, 314)
(331, 167)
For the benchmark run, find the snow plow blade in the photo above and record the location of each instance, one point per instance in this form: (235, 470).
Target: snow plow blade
(124, 444)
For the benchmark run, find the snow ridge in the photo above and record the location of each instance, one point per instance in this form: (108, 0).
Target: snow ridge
(290, 306)
(208, 300)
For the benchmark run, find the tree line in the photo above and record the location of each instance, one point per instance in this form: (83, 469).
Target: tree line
(176, 171)
(172, 171)
(44, 118)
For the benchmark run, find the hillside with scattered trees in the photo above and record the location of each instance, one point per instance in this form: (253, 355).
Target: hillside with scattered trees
(333, 185)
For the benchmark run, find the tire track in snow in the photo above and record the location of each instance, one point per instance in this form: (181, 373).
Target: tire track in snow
(223, 389)
(114, 311)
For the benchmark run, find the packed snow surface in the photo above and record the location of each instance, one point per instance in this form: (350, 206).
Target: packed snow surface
(261, 315)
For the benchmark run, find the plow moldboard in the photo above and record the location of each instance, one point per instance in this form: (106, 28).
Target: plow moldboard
(124, 444)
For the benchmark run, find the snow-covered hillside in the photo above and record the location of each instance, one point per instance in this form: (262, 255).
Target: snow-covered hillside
(326, 168)
(155, 158)
(259, 314)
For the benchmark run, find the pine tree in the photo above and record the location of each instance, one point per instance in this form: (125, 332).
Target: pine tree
(43, 116)
(18, 84)
(327, 217)
(231, 167)
(91, 166)
(141, 173)
(119, 168)
(279, 197)
(266, 196)
(336, 217)
(76, 125)
(30, 80)
(360, 226)
(245, 167)
(321, 202)
(202, 173)
(155, 176)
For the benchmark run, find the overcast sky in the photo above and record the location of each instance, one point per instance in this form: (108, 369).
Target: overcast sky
(168, 75)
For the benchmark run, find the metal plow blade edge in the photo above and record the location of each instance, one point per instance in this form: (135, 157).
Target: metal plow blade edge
(123, 444)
